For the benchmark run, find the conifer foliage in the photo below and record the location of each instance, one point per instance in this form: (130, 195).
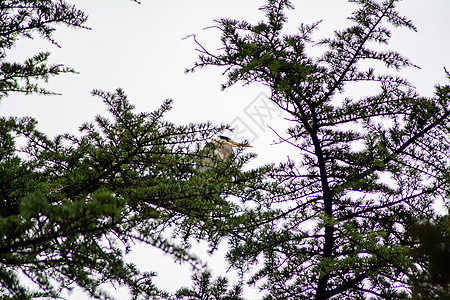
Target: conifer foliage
(346, 217)
(72, 206)
(363, 169)
(26, 19)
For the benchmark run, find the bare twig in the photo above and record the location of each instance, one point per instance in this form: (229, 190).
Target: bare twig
(202, 50)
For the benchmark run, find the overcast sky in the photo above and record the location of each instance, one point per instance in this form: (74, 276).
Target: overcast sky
(141, 49)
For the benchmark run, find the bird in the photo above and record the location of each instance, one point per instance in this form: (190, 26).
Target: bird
(222, 148)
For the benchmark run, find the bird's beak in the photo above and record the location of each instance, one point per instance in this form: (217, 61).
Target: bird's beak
(234, 144)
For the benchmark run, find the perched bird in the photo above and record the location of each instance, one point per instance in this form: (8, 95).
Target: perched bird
(221, 147)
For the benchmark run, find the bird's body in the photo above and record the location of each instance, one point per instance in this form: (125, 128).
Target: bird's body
(221, 148)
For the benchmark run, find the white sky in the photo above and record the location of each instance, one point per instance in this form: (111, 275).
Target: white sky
(139, 48)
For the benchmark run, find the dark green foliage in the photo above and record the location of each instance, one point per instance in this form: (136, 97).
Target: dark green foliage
(26, 19)
(431, 250)
(53, 238)
(348, 217)
(206, 290)
(362, 169)
(73, 206)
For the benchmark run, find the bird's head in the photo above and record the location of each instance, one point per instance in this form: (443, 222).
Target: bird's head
(226, 140)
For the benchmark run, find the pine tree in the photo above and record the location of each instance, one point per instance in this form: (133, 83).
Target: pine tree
(431, 240)
(364, 169)
(71, 207)
(26, 19)
(204, 289)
